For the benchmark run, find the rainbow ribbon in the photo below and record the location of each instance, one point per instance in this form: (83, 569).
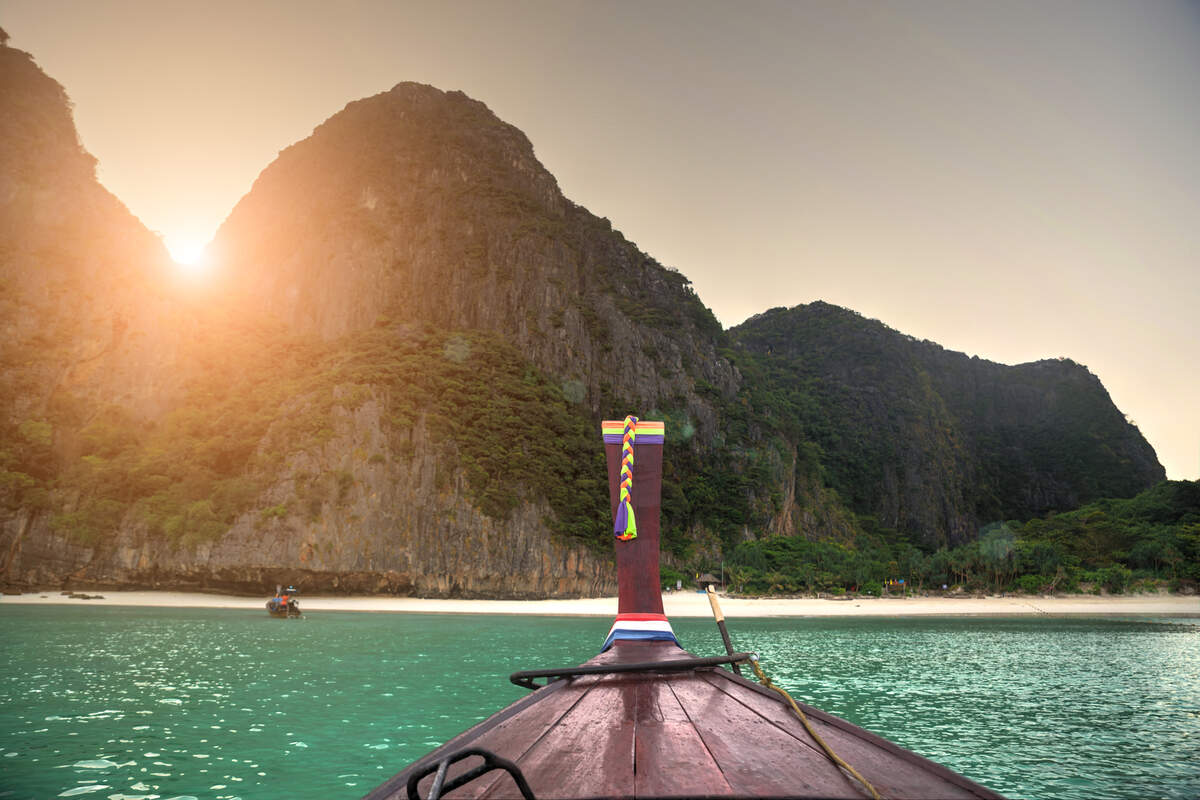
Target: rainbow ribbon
(625, 526)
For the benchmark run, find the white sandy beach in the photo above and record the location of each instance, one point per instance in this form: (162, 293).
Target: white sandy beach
(677, 604)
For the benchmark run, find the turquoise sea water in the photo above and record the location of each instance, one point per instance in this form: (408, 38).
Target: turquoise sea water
(120, 703)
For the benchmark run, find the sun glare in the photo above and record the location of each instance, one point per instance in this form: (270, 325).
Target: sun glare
(188, 255)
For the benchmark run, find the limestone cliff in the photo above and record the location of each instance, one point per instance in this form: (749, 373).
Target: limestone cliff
(394, 381)
(83, 284)
(938, 443)
(418, 205)
(143, 447)
(383, 536)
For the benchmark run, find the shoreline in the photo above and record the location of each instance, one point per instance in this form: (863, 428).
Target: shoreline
(676, 604)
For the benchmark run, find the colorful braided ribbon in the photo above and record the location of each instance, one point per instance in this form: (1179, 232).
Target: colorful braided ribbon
(625, 526)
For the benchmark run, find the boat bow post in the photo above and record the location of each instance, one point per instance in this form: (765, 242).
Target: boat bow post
(633, 449)
(645, 718)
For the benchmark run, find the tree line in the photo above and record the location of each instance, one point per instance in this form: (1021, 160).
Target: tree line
(1145, 542)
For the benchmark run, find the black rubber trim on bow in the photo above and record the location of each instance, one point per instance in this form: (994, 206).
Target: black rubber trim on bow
(525, 678)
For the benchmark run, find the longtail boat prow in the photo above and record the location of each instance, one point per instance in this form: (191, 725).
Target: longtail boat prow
(284, 604)
(645, 718)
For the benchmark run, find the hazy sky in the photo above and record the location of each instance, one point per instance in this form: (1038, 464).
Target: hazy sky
(1014, 180)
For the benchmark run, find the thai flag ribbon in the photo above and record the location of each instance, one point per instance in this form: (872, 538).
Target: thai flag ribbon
(640, 627)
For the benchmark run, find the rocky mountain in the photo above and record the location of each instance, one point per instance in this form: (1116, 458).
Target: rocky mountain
(63, 240)
(418, 205)
(84, 297)
(937, 443)
(394, 379)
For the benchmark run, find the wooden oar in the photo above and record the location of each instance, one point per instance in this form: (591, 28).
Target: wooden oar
(720, 618)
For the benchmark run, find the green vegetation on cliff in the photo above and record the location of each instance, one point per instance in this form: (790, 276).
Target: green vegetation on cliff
(407, 297)
(262, 398)
(1148, 540)
(932, 442)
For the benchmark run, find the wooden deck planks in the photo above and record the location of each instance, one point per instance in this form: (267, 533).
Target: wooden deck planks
(671, 760)
(895, 773)
(757, 757)
(522, 733)
(703, 733)
(626, 651)
(590, 751)
(509, 737)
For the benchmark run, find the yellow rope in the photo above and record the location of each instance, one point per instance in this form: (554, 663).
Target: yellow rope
(808, 727)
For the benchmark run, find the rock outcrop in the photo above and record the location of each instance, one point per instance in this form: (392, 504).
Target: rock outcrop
(418, 205)
(394, 379)
(937, 443)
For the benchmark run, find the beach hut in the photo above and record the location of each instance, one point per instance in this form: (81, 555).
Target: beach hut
(645, 718)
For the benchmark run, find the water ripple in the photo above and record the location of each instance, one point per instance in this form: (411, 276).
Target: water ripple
(179, 704)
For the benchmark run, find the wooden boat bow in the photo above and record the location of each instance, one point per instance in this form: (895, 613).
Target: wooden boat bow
(645, 718)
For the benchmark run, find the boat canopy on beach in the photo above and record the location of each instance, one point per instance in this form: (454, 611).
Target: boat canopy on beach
(645, 718)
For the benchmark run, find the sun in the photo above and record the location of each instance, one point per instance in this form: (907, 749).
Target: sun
(188, 255)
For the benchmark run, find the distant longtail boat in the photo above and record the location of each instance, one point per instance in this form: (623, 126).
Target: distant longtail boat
(647, 719)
